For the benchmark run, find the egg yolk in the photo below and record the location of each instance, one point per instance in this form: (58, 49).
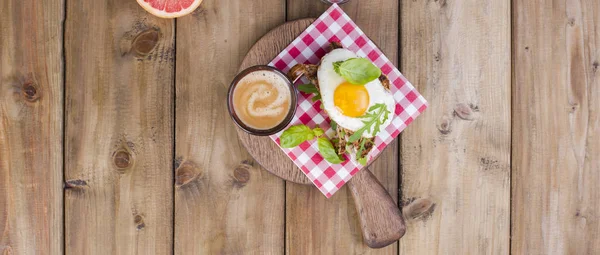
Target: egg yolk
(352, 100)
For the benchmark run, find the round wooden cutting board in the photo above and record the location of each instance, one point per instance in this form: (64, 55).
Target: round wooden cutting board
(380, 218)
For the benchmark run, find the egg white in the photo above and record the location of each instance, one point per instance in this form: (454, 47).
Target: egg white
(329, 80)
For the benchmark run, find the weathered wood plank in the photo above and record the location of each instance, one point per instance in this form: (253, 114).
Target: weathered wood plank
(556, 127)
(315, 224)
(31, 127)
(119, 129)
(456, 156)
(224, 202)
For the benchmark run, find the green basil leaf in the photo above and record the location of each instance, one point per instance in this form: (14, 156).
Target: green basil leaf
(308, 88)
(336, 66)
(295, 135)
(358, 71)
(316, 97)
(328, 152)
(318, 132)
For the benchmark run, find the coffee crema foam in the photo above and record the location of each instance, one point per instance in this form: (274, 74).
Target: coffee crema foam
(262, 99)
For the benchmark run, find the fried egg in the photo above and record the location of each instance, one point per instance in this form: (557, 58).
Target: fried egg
(344, 102)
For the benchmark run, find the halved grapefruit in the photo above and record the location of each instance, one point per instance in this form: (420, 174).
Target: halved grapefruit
(169, 8)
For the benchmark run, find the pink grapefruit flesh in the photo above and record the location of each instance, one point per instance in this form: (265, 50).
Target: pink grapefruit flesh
(169, 8)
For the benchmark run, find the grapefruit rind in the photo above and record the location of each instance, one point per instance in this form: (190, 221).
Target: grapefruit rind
(169, 15)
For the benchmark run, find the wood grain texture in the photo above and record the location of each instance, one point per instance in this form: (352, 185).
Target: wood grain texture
(456, 156)
(31, 121)
(224, 202)
(262, 148)
(119, 129)
(556, 127)
(380, 219)
(315, 224)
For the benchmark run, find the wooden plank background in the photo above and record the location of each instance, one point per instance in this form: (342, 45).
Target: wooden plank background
(31, 127)
(456, 157)
(123, 115)
(556, 128)
(224, 202)
(119, 130)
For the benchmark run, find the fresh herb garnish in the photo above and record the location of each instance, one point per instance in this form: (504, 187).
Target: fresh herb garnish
(295, 135)
(318, 132)
(316, 97)
(377, 115)
(333, 125)
(358, 71)
(363, 161)
(359, 152)
(310, 88)
(335, 141)
(328, 152)
(298, 134)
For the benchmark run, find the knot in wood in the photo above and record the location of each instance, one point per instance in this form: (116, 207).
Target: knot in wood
(445, 126)
(122, 159)
(75, 184)
(185, 173)
(138, 220)
(463, 111)
(442, 3)
(30, 92)
(241, 174)
(145, 42)
(419, 208)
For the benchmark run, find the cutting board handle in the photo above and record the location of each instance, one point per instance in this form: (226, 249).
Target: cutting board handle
(380, 218)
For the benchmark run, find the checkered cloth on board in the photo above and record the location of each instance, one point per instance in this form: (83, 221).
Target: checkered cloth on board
(308, 48)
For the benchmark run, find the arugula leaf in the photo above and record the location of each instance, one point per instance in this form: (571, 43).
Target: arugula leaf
(361, 148)
(296, 135)
(333, 125)
(358, 71)
(373, 119)
(328, 152)
(359, 152)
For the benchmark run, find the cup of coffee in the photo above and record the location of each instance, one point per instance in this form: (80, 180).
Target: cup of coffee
(262, 100)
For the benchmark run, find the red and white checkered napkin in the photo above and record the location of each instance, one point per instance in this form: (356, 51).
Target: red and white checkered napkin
(309, 47)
